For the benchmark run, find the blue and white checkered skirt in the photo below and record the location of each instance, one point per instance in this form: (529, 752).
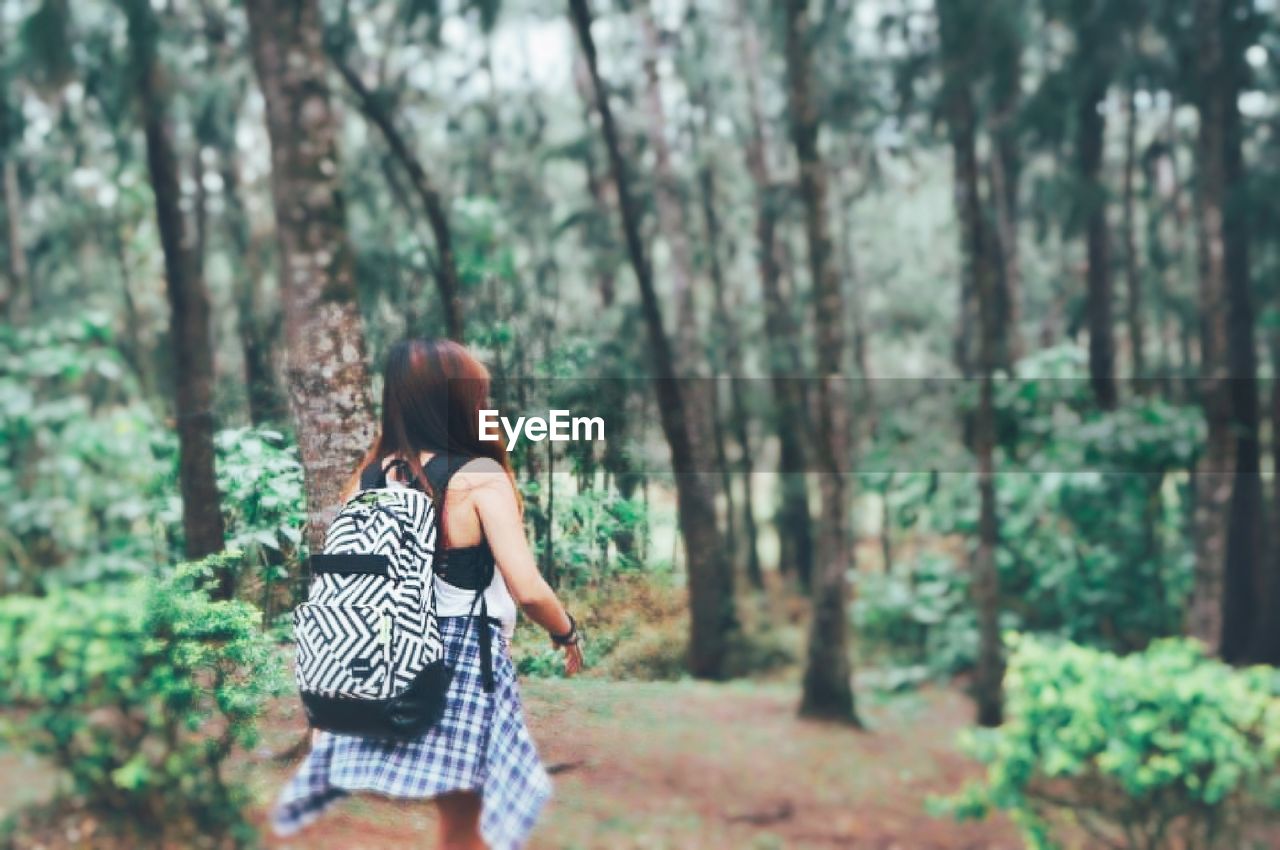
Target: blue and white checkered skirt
(480, 744)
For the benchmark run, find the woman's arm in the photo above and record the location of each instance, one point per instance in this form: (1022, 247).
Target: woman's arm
(494, 498)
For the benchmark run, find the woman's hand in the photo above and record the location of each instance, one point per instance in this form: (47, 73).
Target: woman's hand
(572, 657)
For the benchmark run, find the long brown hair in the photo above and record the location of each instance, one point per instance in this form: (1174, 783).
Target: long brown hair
(432, 393)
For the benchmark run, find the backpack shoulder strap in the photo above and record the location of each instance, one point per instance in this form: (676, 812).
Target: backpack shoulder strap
(441, 469)
(372, 477)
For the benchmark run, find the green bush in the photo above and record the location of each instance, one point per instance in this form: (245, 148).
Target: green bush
(1094, 545)
(1159, 749)
(264, 507)
(139, 696)
(918, 616)
(81, 480)
(634, 627)
(1093, 508)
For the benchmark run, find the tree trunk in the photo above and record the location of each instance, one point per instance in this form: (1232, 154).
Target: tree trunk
(1090, 135)
(1133, 279)
(828, 690)
(326, 378)
(447, 280)
(981, 273)
(616, 460)
(17, 300)
(189, 328)
(132, 348)
(732, 355)
(1006, 176)
(1213, 484)
(1243, 565)
(255, 325)
(711, 601)
(1266, 635)
(699, 393)
(668, 205)
(790, 419)
(865, 398)
(978, 250)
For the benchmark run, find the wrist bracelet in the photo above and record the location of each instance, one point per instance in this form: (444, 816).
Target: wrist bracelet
(569, 637)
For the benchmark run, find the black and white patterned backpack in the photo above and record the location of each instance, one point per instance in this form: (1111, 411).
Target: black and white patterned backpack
(370, 660)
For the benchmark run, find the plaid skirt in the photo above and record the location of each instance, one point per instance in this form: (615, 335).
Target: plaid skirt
(480, 744)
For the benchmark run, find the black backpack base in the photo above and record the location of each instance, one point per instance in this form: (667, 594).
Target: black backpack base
(407, 715)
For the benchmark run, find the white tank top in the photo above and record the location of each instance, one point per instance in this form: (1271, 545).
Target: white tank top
(454, 601)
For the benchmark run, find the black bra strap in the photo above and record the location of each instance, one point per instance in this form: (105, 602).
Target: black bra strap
(440, 471)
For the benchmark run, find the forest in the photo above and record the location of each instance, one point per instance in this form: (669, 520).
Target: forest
(934, 343)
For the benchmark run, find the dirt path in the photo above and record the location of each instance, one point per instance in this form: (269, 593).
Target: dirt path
(706, 766)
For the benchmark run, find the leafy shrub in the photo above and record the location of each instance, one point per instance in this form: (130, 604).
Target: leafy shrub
(1094, 547)
(264, 506)
(80, 471)
(587, 522)
(140, 696)
(1159, 749)
(920, 616)
(1095, 542)
(635, 627)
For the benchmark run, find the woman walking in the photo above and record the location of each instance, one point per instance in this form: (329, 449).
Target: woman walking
(478, 762)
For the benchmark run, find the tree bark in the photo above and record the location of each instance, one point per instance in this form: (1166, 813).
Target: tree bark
(17, 299)
(865, 398)
(1266, 636)
(828, 690)
(616, 460)
(1133, 278)
(1006, 176)
(668, 205)
(1244, 573)
(712, 611)
(981, 255)
(1090, 135)
(732, 354)
(1213, 484)
(255, 325)
(699, 393)
(790, 419)
(326, 377)
(447, 280)
(985, 587)
(189, 327)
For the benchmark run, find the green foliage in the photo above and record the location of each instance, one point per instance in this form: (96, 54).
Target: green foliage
(1094, 523)
(918, 616)
(88, 477)
(264, 507)
(633, 626)
(1094, 541)
(140, 696)
(584, 528)
(1158, 749)
(82, 477)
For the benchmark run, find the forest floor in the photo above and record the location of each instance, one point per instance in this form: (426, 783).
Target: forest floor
(691, 765)
(666, 765)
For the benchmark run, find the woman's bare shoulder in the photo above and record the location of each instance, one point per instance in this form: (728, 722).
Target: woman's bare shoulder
(481, 472)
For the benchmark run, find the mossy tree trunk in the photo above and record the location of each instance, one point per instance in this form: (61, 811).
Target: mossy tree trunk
(828, 685)
(189, 324)
(327, 381)
(713, 615)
